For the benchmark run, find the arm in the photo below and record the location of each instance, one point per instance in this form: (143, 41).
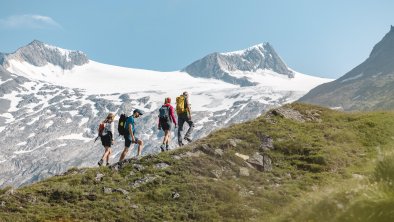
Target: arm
(112, 130)
(172, 115)
(189, 111)
(131, 132)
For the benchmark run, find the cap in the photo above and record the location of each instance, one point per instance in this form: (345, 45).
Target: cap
(138, 111)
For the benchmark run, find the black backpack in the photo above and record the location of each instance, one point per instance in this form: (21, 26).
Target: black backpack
(121, 124)
(164, 113)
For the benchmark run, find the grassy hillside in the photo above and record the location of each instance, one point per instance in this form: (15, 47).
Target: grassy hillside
(296, 163)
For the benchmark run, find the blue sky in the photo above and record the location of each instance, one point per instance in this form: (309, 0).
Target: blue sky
(322, 38)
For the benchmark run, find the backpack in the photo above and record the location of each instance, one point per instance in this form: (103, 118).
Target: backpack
(180, 104)
(121, 124)
(101, 129)
(164, 113)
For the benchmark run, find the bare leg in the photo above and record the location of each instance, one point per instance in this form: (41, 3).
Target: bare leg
(166, 136)
(124, 153)
(140, 146)
(109, 154)
(105, 153)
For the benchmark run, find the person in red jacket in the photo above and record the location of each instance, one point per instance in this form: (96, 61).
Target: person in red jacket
(166, 118)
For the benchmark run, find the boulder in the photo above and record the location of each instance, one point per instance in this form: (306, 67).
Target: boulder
(138, 167)
(242, 156)
(161, 166)
(120, 190)
(219, 152)
(232, 143)
(99, 177)
(267, 143)
(107, 190)
(243, 171)
(207, 149)
(139, 182)
(260, 162)
(288, 113)
(175, 195)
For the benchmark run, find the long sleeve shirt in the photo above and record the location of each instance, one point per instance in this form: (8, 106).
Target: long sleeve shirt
(172, 113)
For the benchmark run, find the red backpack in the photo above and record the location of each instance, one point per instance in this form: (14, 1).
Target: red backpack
(101, 129)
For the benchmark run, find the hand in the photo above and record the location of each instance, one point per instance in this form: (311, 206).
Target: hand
(112, 142)
(133, 140)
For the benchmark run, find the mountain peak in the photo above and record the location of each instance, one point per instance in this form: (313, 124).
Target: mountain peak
(36, 42)
(366, 87)
(259, 47)
(39, 54)
(221, 65)
(384, 50)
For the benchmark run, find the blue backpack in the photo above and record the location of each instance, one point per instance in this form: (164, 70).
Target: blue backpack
(164, 113)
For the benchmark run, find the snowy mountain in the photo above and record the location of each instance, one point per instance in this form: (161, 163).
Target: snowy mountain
(223, 66)
(52, 100)
(369, 86)
(40, 54)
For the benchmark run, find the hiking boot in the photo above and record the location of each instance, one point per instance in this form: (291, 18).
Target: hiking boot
(107, 164)
(180, 144)
(100, 162)
(162, 147)
(188, 139)
(167, 147)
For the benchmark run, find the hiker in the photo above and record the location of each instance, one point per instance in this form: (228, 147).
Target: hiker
(130, 134)
(106, 132)
(166, 118)
(184, 115)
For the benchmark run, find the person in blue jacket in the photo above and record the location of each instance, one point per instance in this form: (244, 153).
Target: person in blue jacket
(130, 134)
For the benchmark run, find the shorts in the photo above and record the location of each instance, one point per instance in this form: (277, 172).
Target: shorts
(128, 142)
(165, 125)
(106, 140)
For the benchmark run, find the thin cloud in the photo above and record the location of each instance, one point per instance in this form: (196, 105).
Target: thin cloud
(29, 22)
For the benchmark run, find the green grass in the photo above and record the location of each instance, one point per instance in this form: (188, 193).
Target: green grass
(340, 168)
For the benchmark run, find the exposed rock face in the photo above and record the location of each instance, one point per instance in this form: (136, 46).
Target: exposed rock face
(222, 65)
(261, 162)
(369, 86)
(288, 114)
(40, 54)
(267, 143)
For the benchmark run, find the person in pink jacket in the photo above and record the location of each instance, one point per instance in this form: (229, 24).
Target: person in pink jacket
(166, 118)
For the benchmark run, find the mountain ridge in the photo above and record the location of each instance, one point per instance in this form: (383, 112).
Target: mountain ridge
(221, 65)
(368, 86)
(38, 53)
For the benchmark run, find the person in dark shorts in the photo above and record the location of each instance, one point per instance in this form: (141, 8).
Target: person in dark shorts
(166, 118)
(107, 138)
(184, 115)
(130, 134)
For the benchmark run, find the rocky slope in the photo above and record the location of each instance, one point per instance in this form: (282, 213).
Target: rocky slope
(297, 163)
(369, 86)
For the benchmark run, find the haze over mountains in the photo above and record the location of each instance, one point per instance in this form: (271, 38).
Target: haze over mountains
(369, 86)
(52, 100)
